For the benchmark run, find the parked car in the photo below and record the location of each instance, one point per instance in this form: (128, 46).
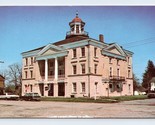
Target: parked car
(151, 95)
(9, 96)
(31, 97)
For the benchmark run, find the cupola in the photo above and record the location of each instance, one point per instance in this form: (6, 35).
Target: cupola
(76, 28)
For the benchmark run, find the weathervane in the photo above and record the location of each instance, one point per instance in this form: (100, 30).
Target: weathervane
(76, 13)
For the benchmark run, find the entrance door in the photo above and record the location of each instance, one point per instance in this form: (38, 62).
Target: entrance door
(61, 89)
(51, 90)
(41, 88)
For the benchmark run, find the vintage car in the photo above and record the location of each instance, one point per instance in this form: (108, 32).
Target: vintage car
(151, 94)
(9, 96)
(31, 97)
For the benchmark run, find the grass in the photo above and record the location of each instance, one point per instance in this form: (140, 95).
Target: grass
(130, 98)
(99, 100)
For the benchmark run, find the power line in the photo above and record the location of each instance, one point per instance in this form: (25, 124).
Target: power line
(130, 46)
(139, 41)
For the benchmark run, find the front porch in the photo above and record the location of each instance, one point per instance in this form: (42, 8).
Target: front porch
(52, 77)
(52, 89)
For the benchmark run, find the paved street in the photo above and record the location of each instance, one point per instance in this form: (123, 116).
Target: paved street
(127, 109)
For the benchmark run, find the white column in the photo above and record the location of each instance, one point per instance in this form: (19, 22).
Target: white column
(56, 68)
(46, 69)
(74, 29)
(80, 28)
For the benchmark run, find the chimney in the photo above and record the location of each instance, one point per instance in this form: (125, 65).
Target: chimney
(101, 38)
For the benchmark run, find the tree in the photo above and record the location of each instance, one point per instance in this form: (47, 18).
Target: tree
(135, 82)
(148, 74)
(15, 75)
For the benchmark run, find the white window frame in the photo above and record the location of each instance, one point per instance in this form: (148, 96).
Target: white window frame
(74, 87)
(83, 83)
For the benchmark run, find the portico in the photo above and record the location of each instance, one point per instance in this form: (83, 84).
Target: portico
(51, 66)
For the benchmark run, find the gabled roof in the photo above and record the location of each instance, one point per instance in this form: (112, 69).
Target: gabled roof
(1, 77)
(65, 41)
(152, 80)
(141, 89)
(70, 40)
(116, 46)
(54, 47)
(34, 49)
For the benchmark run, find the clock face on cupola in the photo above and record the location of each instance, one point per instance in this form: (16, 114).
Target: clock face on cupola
(76, 27)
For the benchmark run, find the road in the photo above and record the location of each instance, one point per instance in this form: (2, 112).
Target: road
(127, 109)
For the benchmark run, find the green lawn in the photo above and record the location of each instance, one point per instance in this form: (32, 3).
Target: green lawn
(129, 98)
(91, 100)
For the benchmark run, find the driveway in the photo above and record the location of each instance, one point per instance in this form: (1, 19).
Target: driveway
(44, 109)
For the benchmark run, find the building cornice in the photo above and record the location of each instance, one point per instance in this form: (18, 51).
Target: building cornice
(107, 53)
(55, 55)
(30, 54)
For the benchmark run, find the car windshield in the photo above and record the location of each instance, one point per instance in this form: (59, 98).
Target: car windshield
(36, 94)
(31, 94)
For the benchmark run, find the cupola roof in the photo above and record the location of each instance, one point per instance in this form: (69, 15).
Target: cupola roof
(77, 19)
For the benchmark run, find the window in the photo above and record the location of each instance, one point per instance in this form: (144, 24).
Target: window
(31, 61)
(74, 69)
(95, 52)
(31, 88)
(95, 68)
(83, 68)
(74, 87)
(110, 73)
(83, 87)
(25, 88)
(118, 72)
(96, 84)
(74, 53)
(25, 74)
(117, 62)
(51, 64)
(129, 88)
(77, 28)
(128, 73)
(51, 68)
(72, 28)
(61, 72)
(31, 72)
(26, 61)
(129, 60)
(111, 87)
(83, 52)
(51, 72)
(110, 60)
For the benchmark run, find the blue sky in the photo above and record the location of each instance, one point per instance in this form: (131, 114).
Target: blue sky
(25, 28)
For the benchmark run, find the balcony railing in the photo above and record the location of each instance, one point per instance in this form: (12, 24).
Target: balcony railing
(73, 33)
(60, 77)
(117, 78)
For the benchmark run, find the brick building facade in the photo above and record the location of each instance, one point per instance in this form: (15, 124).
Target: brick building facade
(78, 66)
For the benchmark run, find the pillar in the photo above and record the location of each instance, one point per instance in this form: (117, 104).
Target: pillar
(46, 69)
(56, 69)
